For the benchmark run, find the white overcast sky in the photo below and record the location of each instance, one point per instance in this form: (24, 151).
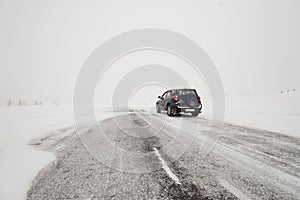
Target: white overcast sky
(255, 44)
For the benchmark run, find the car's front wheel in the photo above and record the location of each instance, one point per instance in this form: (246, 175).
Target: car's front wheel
(195, 114)
(157, 108)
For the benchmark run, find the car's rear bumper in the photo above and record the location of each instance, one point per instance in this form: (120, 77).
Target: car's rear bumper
(179, 109)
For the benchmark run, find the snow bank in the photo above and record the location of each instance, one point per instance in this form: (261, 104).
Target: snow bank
(19, 162)
(279, 112)
(19, 165)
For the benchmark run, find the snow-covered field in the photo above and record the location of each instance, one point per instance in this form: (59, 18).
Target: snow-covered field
(278, 112)
(19, 126)
(20, 163)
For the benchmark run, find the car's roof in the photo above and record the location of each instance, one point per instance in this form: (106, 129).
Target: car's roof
(182, 89)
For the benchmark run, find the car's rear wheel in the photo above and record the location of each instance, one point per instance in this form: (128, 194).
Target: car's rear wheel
(195, 114)
(157, 108)
(169, 111)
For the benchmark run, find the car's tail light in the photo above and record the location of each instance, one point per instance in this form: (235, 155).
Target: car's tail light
(175, 97)
(199, 98)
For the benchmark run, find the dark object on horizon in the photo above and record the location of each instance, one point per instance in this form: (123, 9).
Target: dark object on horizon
(9, 103)
(37, 103)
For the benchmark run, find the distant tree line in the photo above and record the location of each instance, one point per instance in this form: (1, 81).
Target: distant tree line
(10, 102)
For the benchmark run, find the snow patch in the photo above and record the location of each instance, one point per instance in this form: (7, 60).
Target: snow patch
(24, 125)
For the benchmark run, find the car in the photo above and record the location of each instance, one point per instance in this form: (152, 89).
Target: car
(176, 101)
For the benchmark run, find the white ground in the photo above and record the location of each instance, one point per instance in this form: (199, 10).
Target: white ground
(20, 163)
(278, 112)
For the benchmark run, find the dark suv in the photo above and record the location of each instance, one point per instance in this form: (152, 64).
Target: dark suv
(179, 100)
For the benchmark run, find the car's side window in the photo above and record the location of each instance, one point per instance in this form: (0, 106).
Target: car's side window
(165, 94)
(169, 94)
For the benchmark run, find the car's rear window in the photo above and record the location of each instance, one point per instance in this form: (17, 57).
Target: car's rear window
(187, 91)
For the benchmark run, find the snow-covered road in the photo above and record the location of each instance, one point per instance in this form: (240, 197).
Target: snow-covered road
(241, 163)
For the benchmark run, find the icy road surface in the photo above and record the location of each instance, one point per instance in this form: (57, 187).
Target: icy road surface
(243, 163)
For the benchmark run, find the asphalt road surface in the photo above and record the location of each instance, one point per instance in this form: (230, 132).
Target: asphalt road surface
(168, 158)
